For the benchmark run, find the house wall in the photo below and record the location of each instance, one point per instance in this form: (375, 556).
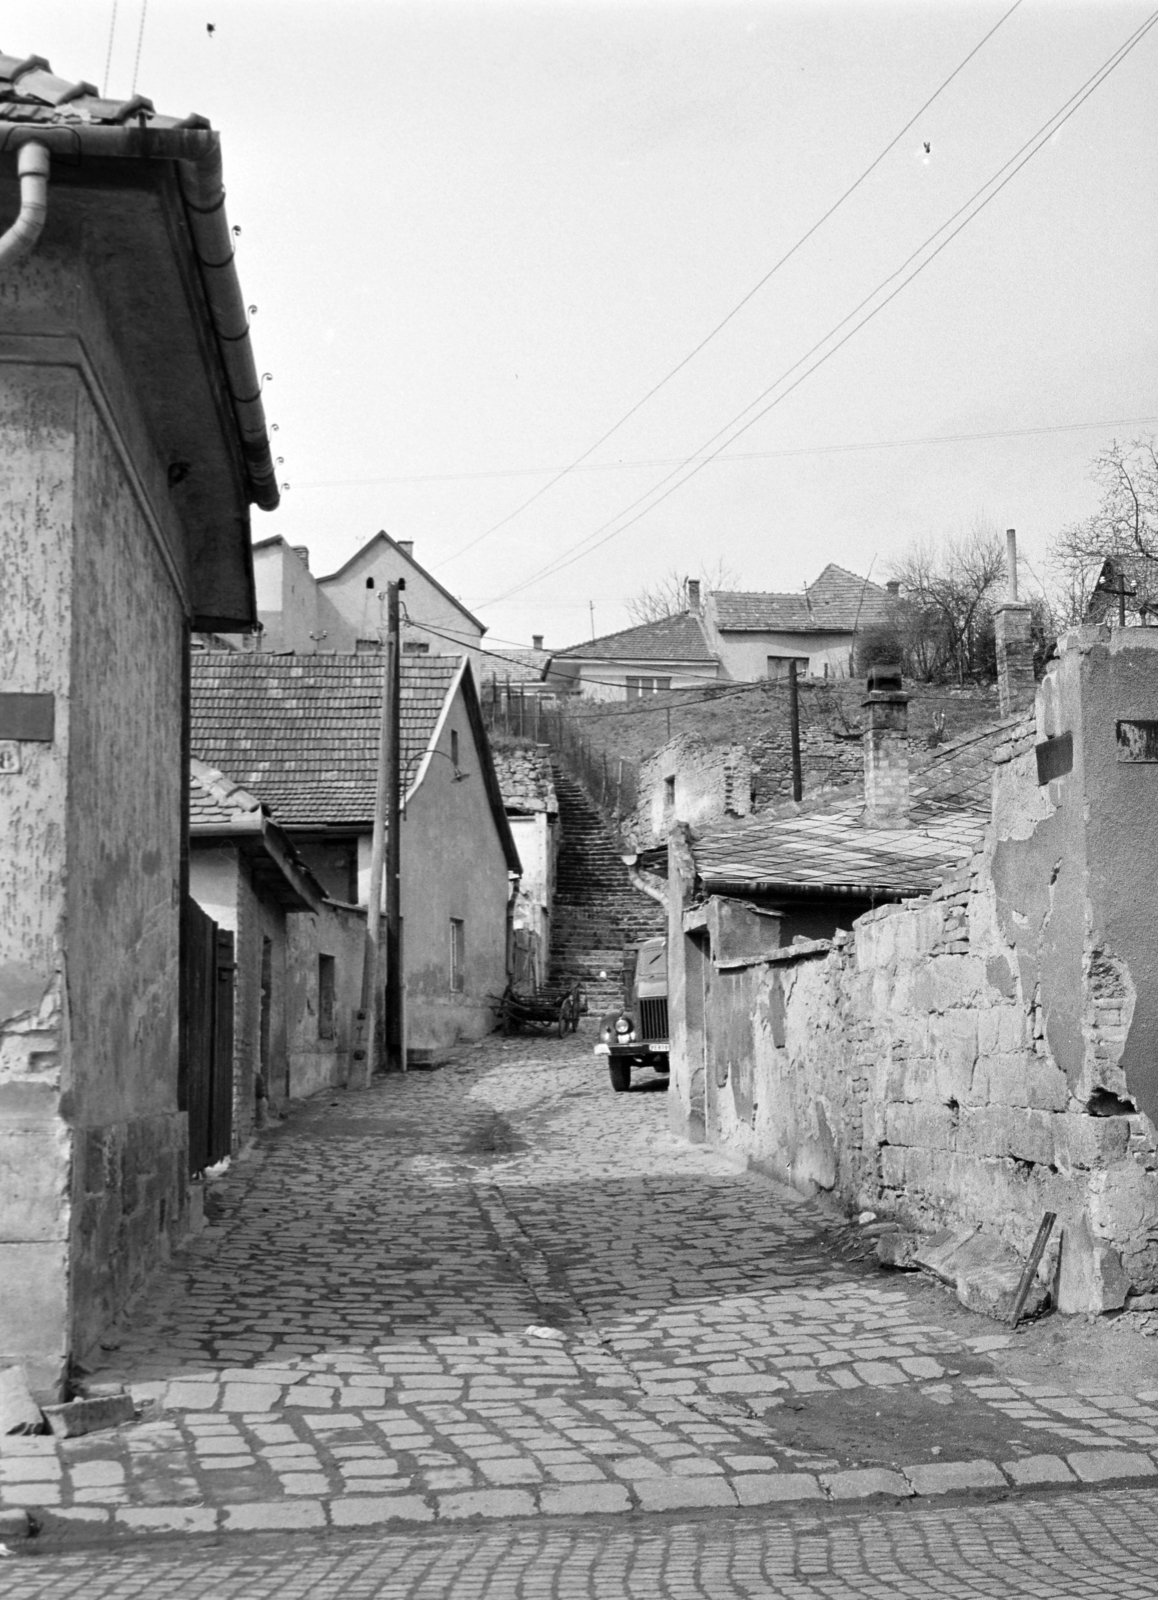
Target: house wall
(986, 1054)
(536, 840)
(314, 1063)
(745, 655)
(607, 680)
(221, 882)
(424, 603)
(293, 612)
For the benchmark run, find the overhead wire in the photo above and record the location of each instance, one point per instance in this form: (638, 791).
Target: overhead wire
(740, 455)
(737, 427)
(740, 304)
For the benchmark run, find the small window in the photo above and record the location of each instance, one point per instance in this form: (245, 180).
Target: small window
(669, 793)
(415, 647)
(369, 583)
(454, 747)
(326, 997)
(457, 955)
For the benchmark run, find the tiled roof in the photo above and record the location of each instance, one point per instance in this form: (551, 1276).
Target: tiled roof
(215, 798)
(520, 666)
(303, 730)
(678, 638)
(828, 847)
(838, 602)
(30, 92)
(525, 778)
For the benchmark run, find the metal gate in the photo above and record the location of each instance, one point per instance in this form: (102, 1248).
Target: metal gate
(205, 1082)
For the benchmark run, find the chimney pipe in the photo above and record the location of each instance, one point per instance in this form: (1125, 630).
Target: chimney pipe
(302, 552)
(886, 750)
(1016, 685)
(536, 641)
(893, 587)
(406, 546)
(693, 594)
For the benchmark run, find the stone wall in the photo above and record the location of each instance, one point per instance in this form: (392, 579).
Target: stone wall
(981, 1056)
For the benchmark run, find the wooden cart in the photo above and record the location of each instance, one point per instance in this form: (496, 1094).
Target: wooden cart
(557, 1012)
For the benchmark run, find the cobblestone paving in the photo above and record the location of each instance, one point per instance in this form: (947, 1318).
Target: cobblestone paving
(499, 1290)
(1098, 1546)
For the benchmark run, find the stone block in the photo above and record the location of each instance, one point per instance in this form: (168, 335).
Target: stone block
(766, 1488)
(34, 1181)
(256, 1515)
(861, 1482)
(677, 1494)
(371, 1510)
(928, 1127)
(949, 1477)
(584, 1499)
(34, 1312)
(1012, 1131)
(1038, 1469)
(485, 1503)
(1082, 1141)
(78, 1417)
(984, 1272)
(167, 1519)
(1101, 1466)
(1090, 1274)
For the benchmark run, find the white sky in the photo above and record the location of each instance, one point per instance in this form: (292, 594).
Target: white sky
(478, 234)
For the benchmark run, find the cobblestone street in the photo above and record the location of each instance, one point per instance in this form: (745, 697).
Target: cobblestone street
(496, 1290)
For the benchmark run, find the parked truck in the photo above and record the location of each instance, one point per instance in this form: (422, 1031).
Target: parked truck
(637, 1034)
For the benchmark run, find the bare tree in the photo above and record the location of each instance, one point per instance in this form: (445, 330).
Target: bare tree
(668, 596)
(1123, 529)
(944, 620)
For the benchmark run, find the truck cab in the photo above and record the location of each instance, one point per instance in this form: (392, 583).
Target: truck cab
(637, 1034)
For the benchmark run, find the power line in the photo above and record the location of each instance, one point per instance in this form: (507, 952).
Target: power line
(723, 323)
(727, 458)
(1021, 157)
(140, 41)
(109, 51)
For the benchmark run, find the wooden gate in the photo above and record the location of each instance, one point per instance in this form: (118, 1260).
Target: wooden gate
(205, 1084)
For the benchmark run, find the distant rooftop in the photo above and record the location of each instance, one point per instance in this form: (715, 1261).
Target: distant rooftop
(838, 602)
(678, 638)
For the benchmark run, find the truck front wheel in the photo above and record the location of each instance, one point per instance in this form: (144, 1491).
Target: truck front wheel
(620, 1075)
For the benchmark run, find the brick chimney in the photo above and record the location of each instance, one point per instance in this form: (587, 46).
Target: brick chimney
(406, 546)
(693, 594)
(536, 641)
(1016, 686)
(886, 750)
(893, 588)
(303, 554)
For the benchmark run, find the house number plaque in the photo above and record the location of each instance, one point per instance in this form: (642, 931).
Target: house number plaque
(9, 757)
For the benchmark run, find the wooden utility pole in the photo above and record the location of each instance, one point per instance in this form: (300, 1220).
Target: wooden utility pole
(794, 730)
(384, 843)
(395, 1024)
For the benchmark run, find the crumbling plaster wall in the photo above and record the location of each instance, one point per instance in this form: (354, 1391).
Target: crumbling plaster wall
(311, 1062)
(983, 1055)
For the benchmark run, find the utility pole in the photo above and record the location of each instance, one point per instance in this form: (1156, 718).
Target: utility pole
(794, 730)
(384, 843)
(395, 1025)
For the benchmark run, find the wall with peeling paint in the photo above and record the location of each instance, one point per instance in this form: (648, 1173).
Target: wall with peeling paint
(984, 1055)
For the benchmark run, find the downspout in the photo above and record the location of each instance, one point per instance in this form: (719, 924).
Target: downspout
(32, 169)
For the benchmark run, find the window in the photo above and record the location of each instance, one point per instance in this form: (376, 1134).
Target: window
(641, 686)
(454, 747)
(669, 794)
(415, 647)
(457, 955)
(369, 583)
(326, 997)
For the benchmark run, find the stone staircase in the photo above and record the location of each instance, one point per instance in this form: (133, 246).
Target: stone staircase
(597, 911)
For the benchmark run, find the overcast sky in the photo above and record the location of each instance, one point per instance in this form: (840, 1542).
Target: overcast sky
(478, 234)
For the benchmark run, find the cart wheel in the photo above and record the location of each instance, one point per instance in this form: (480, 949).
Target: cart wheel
(620, 1075)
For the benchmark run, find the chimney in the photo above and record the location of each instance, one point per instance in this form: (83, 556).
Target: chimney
(536, 641)
(406, 546)
(893, 588)
(886, 750)
(1015, 681)
(693, 594)
(303, 554)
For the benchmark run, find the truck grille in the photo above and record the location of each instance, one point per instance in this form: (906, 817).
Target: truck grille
(653, 1018)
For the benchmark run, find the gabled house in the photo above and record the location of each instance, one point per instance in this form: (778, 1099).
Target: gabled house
(132, 445)
(672, 653)
(757, 635)
(434, 622)
(302, 732)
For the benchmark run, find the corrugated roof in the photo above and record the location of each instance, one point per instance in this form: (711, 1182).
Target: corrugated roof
(678, 638)
(838, 602)
(303, 730)
(828, 847)
(30, 92)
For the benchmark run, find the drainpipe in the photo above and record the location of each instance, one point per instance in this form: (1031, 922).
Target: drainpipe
(32, 168)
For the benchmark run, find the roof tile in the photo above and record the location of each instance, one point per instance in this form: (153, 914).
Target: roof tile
(678, 638)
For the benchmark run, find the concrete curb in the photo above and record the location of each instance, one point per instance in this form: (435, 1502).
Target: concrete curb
(732, 1491)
